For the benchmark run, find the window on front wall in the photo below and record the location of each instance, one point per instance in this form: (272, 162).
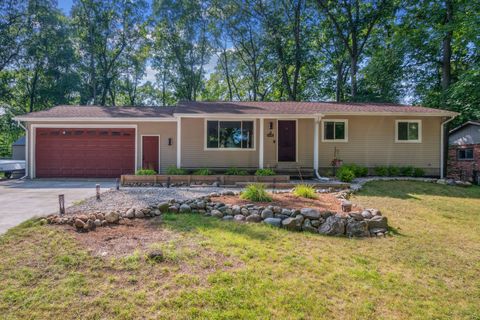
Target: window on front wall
(465, 154)
(408, 131)
(335, 130)
(229, 134)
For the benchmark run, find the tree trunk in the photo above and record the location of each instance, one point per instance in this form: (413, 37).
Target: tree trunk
(447, 47)
(227, 74)
(339, 83)
(33, 90)
(353, 77)
(298, 48)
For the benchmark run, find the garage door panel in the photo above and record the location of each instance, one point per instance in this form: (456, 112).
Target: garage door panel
(84, 152)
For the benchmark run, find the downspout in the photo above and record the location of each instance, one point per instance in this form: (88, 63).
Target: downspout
(442, 146)
(26, 149)
(316, 141)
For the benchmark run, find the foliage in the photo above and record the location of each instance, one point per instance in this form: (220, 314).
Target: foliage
(145, 172)
(381, 171)
(359, 171)
(255, 192)
(265, 172)
(235, 172)
(203, 172)
(393, 171)
(407, 171)
(418, 172)
(305, 191)
(345, 174)
(174, 171)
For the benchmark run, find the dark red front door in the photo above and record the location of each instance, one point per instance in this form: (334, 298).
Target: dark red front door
(287, 140)
(150, 152)
(84, 152)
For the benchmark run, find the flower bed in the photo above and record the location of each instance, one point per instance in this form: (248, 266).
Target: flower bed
(330, 221)
(186, 180)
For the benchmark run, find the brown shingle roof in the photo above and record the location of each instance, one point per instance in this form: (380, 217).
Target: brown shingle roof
(290, 107)
(65, 111)
(253, 108)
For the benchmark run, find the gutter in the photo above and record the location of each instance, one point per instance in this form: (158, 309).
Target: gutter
(442, 145)
(26, 149)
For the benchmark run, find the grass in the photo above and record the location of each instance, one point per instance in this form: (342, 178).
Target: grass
(305, 191)
(429, 270)
(256, 193)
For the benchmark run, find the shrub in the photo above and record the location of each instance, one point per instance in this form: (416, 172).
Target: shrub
(381, 171)
(418, 172)
(265, 172)
(359, 171)
(255, 192)
(236, 172)
(203, 172)
(393, 171)
(407, 171)
(304, 191)
(174, 171)
(145, 172)
(345, 174)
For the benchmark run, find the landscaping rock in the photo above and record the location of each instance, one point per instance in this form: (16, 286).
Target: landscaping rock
(236, 209)
(112, 217)
(326, 214)
(79, 224)
(130, 214)
(139, 214)
(83, 217)
(356, 215)
(163, 206)
(254, 218)
(346, 206)
(366, 214)
(216, 213)
(333, 226)
(307, 226)
(173, 209)
(185, 208)
(316, 223)
(377, 222)
(244, 211)
(286, 212)
(98, 222)
(227, 218)
(310, 213)
(239, 217)
(293, 224)
(357, 228)
(277, 209)
(156, 256)
(267, 213)
(276, 222)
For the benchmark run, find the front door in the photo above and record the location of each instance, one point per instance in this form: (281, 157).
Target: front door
(287, 140)
(150, 152)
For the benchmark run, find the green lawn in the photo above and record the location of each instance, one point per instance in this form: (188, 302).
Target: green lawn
(222, 270)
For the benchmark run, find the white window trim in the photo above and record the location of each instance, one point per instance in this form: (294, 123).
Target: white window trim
(229, 149)
(466, 159)
(296, 141)
(419, 122)
(141, 149)
(335, 120)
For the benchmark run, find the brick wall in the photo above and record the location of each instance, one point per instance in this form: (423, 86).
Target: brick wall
(462, 169)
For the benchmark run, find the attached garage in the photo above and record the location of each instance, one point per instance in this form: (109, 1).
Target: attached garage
(84, 152)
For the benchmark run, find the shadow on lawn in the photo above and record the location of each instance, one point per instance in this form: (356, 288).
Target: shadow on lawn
(413, 189)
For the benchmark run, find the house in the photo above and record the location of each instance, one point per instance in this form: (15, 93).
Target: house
(464, 151)
(94, 141)
(18, 149)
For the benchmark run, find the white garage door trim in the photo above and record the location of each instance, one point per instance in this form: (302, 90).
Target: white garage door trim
(33, 127)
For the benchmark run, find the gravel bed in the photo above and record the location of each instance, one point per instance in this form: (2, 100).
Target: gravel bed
(127, 198)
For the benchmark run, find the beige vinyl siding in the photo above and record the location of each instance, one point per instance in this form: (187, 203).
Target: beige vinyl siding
(371, 142)
(194, 154)
(168, 154)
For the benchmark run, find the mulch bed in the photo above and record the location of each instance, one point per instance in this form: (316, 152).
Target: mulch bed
(325, 201)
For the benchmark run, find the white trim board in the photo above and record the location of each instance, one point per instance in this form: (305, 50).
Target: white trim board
(334, 140)
(229, 149)
(418, 121)
(33, 131)
(159, 147)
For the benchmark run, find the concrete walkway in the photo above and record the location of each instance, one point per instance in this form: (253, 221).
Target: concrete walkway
(21, 200)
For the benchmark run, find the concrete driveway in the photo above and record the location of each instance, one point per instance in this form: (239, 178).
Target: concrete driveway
(21, 200)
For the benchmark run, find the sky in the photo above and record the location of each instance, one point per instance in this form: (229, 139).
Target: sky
(65, 5)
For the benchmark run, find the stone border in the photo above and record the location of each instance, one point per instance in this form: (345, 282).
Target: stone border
(358, 183)
(367, 223)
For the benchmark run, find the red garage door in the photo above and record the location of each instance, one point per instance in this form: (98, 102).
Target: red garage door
(84, 153)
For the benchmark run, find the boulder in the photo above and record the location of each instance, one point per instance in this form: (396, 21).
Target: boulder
(277, 209)
(310, 213)
(112, 217)
(98, 222)
(163, 206)
(286, 212)
(316, 223)
(293, 224)
(276, 222)
(90, 225)
(156, 212)
(346, 206)
(239, 217)
(357, 228)
(227, 218)
(236, 209)
(333, 226)
(307, 226)
(254, 218)
(185, 208)
(326, 214)
(366, 214)
(244, 211)
(79, 224)
(356, 215)
(130, 213)
(216, 213)
(173, 209)
(83, 217)
(267, 213)
(139, 214)
(377, 222)
(200, 204)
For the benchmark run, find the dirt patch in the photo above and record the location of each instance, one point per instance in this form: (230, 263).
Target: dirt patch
(326, 201)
